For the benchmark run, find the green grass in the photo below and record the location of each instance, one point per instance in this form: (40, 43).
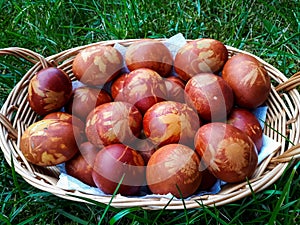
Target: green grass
(269, 29)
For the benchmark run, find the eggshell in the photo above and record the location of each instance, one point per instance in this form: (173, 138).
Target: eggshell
(175, 89)
(78, 124)
(174, 168)
(248, 123)
(49, 142)
(81, 165)
(116, 88)
(85, 99)
(210, 95)
(97, 65)
(113, 122)
(143, 88)
(115, 162)
(149, 53)
(248, 79)
(49, 90)
(228, 152)
(171, 122)
(200, 56)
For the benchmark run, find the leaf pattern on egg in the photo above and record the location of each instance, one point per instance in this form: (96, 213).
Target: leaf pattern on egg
(251, 77)
(53, 99)
(234, 153)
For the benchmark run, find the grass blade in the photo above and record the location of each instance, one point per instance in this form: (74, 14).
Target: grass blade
(284, 195)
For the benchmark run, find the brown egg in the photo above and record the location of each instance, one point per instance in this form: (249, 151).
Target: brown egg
(77, 124)
(200, 56)
(97, 65)
(81, 165)
(175, 89)
(49, 142)
(208, 180)
(115, 162)
(149, 53)
(171, 122)
(145, 147)
(49, 90)
(210, 95)
(85, 99)
(228, 152)
(116, 88)
(143, 88)
(247, 122)
(174, 167)
(113, 122)
(248, 79)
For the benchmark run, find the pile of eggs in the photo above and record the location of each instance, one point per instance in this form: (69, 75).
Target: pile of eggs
(170, 124)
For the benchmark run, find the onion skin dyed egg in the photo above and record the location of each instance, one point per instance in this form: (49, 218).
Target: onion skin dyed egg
(97, 65)
(113, 122)
(208, 180)
(228, 152)
(200, 56)
(114, 161)
(171, 122)
(81, 165)
(49, 142)
(248, 79)
(145, 147)
(85, 99)
(247, 122)
(175, 89)
(117, 86)
(210, 95)
(149, 53)
(78, 124)
(49, 90)
(174, 167)
(143, 88)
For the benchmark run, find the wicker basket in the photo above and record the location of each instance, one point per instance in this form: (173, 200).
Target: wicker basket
(282, 118)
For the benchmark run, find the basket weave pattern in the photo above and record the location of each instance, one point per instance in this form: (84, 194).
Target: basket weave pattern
(282, 125)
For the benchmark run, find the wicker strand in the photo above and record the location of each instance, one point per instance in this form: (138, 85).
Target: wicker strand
(290, 84)
(26, 54)
(12, 132)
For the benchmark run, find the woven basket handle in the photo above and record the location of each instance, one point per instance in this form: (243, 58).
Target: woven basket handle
(290, 84)
(29, 56)
(26, 54)
(290, 154)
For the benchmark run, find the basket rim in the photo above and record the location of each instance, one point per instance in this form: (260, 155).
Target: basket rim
(45, 182)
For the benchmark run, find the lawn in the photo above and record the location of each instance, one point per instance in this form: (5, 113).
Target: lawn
(268, 29)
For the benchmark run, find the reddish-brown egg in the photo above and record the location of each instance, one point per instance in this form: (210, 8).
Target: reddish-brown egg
(247, 122)
(81, 165)
(85, 99)
(172, 168)
(228, 152)
(49, 142)
(208, 180)
(116, 163)
(175, 89)
(200, 56)
(248, 79)
(145, 147)
(171, 122)
(210, 95)
(97, 65)
(49, 90)
(116, 88)
(113, 122)
(149, 53)
(143, 88)
(77, 124)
